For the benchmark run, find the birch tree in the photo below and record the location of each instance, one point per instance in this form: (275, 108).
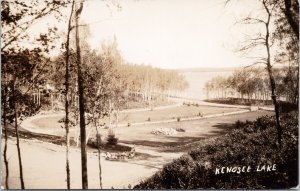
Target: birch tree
(84, 172)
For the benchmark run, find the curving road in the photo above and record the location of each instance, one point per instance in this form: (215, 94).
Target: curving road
(44, 163)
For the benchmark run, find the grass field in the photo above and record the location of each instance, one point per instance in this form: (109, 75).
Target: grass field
(195, 130)
(172, 113)
(50, 122)
(144, 116)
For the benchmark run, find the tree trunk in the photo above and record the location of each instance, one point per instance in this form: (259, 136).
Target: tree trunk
(17, 136)
(109, 114)
(39, 97)
(77, 135)
(66, 100)
(99, 155)
(6, 138)
(288, 14)
(88, 135)
(296, 93)
(274, 99)
(81, 105)
(272, 81)
(117, 118)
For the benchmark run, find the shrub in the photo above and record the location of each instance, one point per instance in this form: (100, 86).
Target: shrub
(238, 124)
(111, 138)
(94, 143)
(63, 120)
(251, 144)
(180, 130)
(178, 119)
(286, 107)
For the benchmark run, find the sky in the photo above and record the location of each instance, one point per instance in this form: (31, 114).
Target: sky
(169, 34)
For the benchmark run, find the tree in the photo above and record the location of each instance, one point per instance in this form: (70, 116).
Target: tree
(291, 11)
(18, 16)
(287, 35)
(264, 40)
(81, 101)
(4, 118)
(270, 72)
(19, 77)
(66, 98)
(103, 88)
(21, 66)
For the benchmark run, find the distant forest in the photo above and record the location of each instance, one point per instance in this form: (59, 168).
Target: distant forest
(117, 80)
(253, 83)
(225, 69)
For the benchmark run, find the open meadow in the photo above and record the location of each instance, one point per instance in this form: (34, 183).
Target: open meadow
(51, 123)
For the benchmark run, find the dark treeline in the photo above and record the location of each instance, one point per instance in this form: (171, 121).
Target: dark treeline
(108, 71)
(253, 84)
(109, 82)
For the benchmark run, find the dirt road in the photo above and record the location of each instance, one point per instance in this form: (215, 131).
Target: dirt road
(44, 168)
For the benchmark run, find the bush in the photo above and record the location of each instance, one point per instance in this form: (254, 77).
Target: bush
(286, 107)
(63, 120)
(251, 144)
(95, 142)
(111, 138)
(178, 119)
(238, 124)
(180, 130)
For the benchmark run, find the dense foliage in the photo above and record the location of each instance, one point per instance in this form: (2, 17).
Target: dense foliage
(249, 144)
(111, 80)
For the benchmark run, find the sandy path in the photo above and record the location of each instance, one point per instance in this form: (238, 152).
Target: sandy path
(44, 167)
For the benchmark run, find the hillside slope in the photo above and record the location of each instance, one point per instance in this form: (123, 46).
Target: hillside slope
(251, 144)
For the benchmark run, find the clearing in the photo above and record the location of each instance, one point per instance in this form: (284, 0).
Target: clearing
(44, 162)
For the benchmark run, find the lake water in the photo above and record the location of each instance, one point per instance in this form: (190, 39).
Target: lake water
(197, 82)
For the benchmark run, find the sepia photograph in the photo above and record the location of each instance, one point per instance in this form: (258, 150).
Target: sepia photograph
(149, 94)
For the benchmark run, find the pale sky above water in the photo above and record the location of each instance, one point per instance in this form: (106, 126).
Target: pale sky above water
(169, 33)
